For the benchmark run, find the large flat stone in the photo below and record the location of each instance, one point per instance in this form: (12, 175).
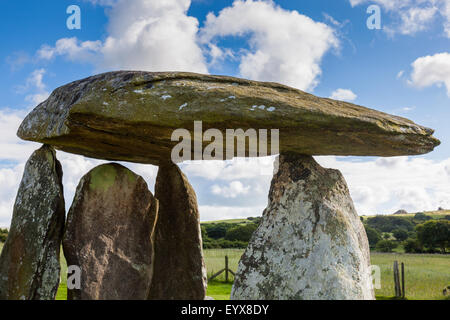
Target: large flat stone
(179, 269)
(109, 235)
(29, 262)
(310, 244)
(130, 116)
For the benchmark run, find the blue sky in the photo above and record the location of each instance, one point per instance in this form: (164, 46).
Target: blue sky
(324, 45)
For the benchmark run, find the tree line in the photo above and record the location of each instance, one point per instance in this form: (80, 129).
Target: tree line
(420, 233)
(228, 235)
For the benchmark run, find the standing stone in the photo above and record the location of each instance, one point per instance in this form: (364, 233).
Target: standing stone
(180, 271)
(310, 244)
(29, 262)
(109, 235)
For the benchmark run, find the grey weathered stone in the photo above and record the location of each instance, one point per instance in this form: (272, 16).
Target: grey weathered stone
(310, 244)
(131, 116)
(179, 269)
(109, 235)
(29, 262)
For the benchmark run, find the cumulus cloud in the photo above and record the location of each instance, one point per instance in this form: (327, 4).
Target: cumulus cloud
(153, 35)
(234, 189)
(385, 185)
(212, 213)
(412, 16)
(73, 49)
(13, 149)
(431, 70)
(343, 94)
(34, 87)
(416, 19)
(285, 46)
(378, 186)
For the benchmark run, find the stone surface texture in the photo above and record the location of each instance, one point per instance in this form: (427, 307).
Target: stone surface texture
(29, 262)
(179, 270)
(311, 244)
(130, 116)
(109, 235)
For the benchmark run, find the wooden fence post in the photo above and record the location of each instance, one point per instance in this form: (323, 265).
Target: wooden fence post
(226, 268)
(403, 280)
(397, 281)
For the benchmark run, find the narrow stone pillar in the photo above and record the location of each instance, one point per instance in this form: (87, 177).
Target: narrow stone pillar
(179, 270)
(109, 235)
(310, 244)
(29, 263)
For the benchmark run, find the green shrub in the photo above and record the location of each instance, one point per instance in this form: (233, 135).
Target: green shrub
(412, 246)
(373, 236)
(386, 245)
(389, 223)
(400, 234)
(435, 233)
(421, 216)
(241, 232)
(217, 230)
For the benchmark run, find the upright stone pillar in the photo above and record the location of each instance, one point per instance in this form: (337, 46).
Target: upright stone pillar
(179, 271)
(109, 235)
(311, 244)
(29, 262)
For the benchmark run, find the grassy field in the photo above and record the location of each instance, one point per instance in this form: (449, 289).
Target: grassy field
(425, 275)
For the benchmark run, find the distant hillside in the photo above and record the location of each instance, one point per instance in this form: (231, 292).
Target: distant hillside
(433, 214)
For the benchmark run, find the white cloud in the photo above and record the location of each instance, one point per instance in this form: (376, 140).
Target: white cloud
(378, 186)
(431, 70)
(285, 46)
(343, 94)
(412, 16)
(73, 49)
(446, 13)
(35, 84)
(153, 35)
(9, 183)
(12, 148)
(385, 185)
(234, 189)
(416, 19)
(212, 213)
(158, 35)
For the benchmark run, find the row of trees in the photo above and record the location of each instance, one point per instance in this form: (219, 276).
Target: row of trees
(418, 234)
(228, 235)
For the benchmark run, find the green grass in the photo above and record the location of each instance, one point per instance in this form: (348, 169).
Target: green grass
(62, 290)
(426, 275)
(219, 290)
